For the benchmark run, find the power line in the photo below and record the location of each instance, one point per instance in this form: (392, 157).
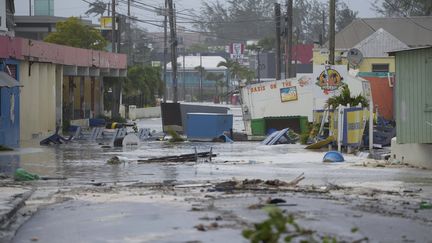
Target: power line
(406, 16)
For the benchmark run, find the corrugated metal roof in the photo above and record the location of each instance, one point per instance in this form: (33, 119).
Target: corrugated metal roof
(413, 31)
(7, 81)
(392, 53)
(379, 44)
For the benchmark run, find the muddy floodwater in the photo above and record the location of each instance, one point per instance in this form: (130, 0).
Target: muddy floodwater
(177, 202)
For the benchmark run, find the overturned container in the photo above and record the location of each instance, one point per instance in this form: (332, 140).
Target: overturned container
(207, 126)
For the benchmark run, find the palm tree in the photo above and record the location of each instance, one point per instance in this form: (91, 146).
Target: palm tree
(237, 71)
(218, 79)
(232, 66)
(96, 8)
(345, 98)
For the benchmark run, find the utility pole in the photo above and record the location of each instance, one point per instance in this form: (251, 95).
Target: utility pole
(30, 8)
(118, 32)
(259, 64)
(165, 51)
(173, 49)
(278, 40)
(201, 80)
(289, 29)
(113, 34)
(323, 30)
(332, 32)
(184, 78)
(129, 33)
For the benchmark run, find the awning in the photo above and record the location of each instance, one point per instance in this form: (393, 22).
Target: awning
(8, 81)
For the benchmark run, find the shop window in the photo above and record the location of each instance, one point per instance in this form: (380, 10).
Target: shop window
(380, 68)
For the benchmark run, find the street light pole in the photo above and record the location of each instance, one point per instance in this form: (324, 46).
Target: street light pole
(259, 64)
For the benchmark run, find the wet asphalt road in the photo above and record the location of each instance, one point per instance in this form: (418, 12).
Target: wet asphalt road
(155, 221)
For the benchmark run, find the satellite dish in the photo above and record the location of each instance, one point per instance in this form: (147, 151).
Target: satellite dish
(355, 57)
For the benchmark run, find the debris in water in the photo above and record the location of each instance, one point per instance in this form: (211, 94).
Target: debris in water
(275, 200)
(180, 158)
(114, 161)
(425, 205)
(257, 184)
(200, 227)
(333, 156)
(23, 175)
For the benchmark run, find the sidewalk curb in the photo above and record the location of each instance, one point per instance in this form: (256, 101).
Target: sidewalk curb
(17, 204)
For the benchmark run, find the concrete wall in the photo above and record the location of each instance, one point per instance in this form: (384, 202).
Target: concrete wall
(414, 154)
(38, 99)
(366, 65)
(149, 112)
(320, 56)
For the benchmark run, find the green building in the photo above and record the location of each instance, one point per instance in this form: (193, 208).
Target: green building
(413, 100)
(44, 7)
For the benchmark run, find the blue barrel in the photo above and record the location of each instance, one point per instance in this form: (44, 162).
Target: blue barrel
(333, 157)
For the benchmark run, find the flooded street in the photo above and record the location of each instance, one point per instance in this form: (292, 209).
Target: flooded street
(178, 202)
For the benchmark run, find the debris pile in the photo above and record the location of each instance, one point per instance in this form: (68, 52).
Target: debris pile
(258, 184)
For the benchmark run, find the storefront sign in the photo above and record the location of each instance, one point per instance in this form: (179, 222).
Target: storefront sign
(329, 80)
(288, 94)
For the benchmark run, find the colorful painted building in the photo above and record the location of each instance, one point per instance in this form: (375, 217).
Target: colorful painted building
(9, 104)
(380, 34)
(58, 82)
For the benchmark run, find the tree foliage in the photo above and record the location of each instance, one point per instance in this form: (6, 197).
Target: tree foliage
(254, 19)
(96, 8)
(238, 19)
(237, 71)
(345, 98)
(144, 83)
(403, 7)
(73, 32)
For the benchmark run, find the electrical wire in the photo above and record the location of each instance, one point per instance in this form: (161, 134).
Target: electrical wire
(406, 16)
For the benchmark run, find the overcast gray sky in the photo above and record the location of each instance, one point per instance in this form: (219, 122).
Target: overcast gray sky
(67, 8)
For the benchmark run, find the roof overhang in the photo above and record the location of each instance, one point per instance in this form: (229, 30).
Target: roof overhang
(8, 81)
(393, 53)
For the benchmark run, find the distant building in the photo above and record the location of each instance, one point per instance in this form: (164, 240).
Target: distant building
(38, 27)
(189, 77)
(7, 10)
(185, 40)
(301, 58)
(44, 7)
(3, 18)
(378, 36)
(414, 107)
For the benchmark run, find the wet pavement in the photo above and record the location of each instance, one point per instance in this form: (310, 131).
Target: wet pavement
(381, 205)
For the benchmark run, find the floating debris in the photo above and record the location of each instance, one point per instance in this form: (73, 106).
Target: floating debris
(257, 184)
(114, 161)
(193, 157)
(23, 175)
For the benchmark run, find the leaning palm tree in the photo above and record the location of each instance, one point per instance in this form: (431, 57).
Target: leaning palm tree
(96, 8)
